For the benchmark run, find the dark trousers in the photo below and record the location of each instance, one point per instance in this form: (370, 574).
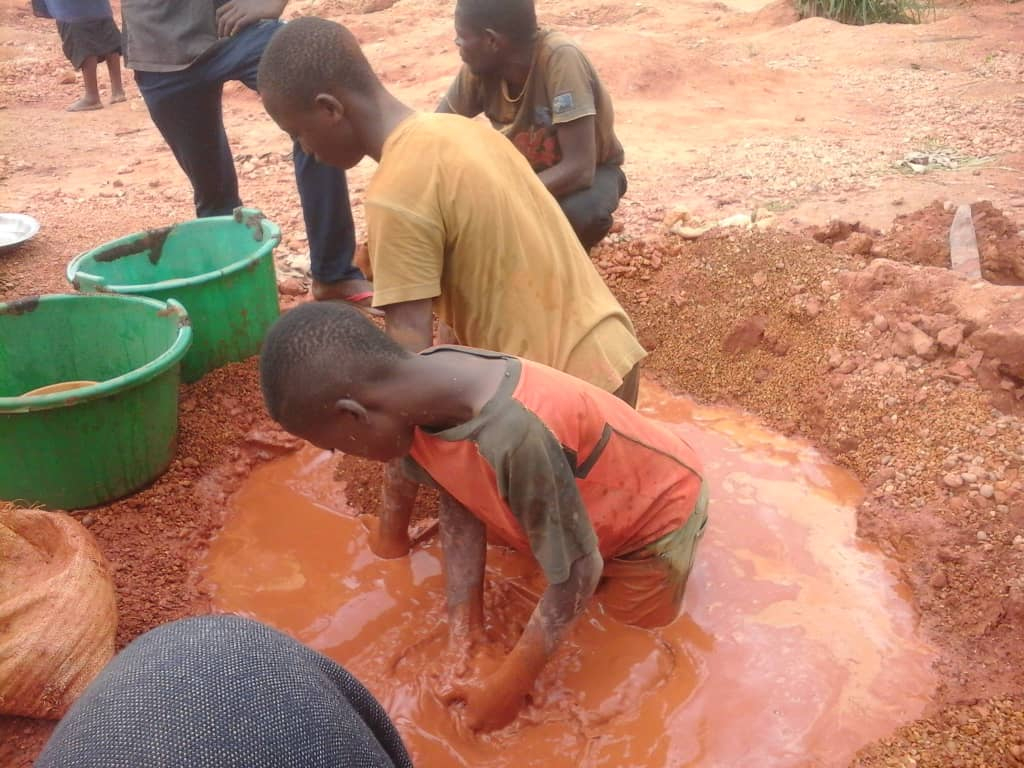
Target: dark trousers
(186, 108)
(590, 210)
(224, 692)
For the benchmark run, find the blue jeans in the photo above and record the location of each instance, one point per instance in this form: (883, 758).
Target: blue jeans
(186, 108)
(224, 692)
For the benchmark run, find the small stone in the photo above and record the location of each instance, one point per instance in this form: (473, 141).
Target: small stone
(90, 518)
(987, 491)
(1018, 541)
(982, 536)
(969, 477)
(190, 461)
(950, 338)
(859, 244)
(880, 323)
(125, 169)
(292, 287)
(680, 214)
(67, 78)
(939, 580)
(953, 480)
(117, 183)
(759, 279)
(848, 366)
(835, 360)
(949, 206)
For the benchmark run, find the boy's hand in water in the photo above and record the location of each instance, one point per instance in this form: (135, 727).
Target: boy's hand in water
(491, 703)
(236, 15)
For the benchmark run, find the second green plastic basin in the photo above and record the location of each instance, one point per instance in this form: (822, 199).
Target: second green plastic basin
(221, 269)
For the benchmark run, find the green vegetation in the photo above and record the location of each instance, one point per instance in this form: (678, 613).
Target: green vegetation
(868, 11)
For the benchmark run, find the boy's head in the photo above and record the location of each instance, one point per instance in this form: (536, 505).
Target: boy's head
(311, 73)
(329, 375)
(488, 31)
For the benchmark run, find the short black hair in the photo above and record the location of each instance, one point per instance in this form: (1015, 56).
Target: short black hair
(310, 56)
(317, 354)
(516, 19)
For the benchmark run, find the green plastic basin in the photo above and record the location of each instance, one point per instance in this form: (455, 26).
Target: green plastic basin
(88, 445)
(221, 269)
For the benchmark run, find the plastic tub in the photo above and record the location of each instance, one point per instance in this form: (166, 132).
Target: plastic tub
(221, 269)
(96, 441)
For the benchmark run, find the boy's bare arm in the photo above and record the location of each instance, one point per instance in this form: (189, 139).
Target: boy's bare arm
(575, 171)
(495, 701)
(390, 536)
(410, 323)
(464, 544)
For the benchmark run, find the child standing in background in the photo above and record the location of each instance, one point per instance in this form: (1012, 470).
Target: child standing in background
(90, 36)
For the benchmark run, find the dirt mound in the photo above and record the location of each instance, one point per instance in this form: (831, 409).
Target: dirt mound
(893, 369)
(922, 237)
(977, 735)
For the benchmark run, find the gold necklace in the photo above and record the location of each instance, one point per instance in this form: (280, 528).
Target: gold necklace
(504, 85)
(509, 99)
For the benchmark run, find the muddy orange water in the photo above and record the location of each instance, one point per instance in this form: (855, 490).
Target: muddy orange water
(796, 645)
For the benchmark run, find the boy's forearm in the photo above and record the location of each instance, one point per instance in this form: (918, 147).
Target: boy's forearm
(395, 511)
(464, 544)
(411, 324)
(559, 606)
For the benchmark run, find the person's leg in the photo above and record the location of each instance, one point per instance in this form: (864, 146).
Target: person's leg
(114, 70)
(645, 588)
(223, 691)
(590, 210)
(186, 109)
(322, 189)
(91, 98)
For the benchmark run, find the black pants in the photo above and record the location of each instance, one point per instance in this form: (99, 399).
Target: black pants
(590, 210)
(224, 692)
(186, 107)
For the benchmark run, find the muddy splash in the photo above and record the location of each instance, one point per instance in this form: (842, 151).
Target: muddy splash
(796, 644)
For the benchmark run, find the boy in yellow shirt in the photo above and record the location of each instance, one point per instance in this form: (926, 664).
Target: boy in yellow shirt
(458, 223)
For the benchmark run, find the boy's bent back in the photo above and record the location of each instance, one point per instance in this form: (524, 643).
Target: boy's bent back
(454, 213)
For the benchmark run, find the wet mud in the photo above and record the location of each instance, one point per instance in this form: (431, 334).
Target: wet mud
(796, 642)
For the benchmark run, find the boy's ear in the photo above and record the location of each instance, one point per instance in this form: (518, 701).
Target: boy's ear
(330, 104)
(348, 408)
(494, 39)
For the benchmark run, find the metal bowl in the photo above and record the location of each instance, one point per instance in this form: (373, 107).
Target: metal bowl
(15, 229)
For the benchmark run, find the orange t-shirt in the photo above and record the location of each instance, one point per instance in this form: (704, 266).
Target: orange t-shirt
(555, 466)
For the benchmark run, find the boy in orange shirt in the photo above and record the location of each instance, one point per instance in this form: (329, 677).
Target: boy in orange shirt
(604, 498)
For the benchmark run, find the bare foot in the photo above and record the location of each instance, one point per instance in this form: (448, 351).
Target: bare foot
(85, 104)
(117, 97)
(358, 293)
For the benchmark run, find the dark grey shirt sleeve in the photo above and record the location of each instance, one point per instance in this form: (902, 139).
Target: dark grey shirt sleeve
(167, 35)
(536, 480)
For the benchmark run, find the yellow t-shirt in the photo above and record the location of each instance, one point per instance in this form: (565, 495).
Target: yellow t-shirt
(455, 214)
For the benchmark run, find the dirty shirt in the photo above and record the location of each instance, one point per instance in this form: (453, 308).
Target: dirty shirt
(562, 86)
(163, 36)
(454, 214)
(559, 468)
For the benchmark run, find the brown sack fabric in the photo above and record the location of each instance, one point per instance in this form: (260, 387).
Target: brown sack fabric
(58, 611)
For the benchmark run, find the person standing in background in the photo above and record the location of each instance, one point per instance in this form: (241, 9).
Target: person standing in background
(89, 37)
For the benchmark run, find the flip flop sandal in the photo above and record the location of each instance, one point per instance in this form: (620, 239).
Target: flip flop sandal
(354, 300)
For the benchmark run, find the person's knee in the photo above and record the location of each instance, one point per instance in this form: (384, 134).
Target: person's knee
(589, 222)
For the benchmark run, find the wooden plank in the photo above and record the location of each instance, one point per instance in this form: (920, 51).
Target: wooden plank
(963, 245)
